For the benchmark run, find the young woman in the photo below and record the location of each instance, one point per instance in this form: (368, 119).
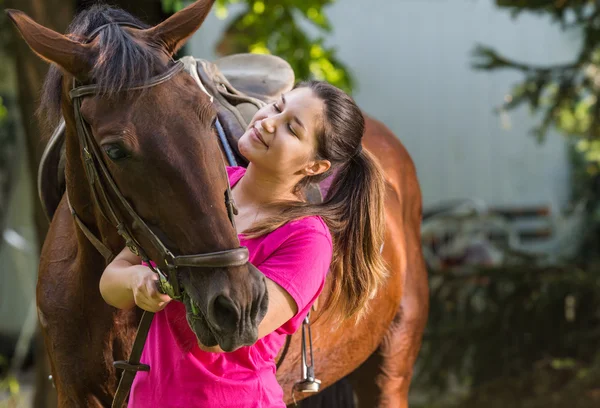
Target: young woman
(312, 132)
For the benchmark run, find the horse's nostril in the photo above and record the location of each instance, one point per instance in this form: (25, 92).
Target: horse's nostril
(225, 313)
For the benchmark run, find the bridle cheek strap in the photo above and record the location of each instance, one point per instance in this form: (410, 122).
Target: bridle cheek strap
(101, 183)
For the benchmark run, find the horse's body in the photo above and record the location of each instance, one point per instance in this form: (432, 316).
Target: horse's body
(84, 335)
(397, 315)
(83, 345)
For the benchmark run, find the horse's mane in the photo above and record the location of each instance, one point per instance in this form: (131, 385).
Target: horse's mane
(121, 61)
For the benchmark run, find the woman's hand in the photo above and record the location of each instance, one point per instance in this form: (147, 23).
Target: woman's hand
(144, 286)
(126, 283)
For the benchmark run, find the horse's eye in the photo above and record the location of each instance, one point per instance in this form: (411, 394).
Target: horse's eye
(115, 152)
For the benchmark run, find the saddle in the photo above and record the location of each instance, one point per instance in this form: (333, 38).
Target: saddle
(239, 84)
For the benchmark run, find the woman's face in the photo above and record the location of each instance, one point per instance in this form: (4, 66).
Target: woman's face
(282, 137)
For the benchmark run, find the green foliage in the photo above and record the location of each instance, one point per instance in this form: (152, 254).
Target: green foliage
(170, 6)
(566, 95)
(559, 10)
(279, 27)
(3, 111)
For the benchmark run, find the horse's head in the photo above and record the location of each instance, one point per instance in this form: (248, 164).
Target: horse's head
(159, 146)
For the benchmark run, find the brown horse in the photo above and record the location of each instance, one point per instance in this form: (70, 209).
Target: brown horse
(164, 158)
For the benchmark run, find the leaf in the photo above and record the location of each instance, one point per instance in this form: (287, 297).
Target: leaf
(3, 111)
(172, 6)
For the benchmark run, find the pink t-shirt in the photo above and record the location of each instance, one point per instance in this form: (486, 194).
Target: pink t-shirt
(297, 257)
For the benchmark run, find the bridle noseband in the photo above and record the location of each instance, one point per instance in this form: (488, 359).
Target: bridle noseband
(101, 183)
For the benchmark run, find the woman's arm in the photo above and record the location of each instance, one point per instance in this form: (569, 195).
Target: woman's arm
(125, 283)
(124, 277)
(282, 308)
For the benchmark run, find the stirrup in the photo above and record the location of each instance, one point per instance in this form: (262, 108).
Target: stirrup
(309, 383)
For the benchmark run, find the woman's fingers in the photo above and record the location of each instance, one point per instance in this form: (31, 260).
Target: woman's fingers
(147, 296)
(158, 295)
(151, 304)
(153, 292)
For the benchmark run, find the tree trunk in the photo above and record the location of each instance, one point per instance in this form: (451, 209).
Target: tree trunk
(31, 71)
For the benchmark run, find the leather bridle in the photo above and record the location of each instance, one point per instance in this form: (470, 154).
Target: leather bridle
(105, 192)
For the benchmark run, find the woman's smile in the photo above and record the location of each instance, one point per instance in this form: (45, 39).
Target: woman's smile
(256, 135)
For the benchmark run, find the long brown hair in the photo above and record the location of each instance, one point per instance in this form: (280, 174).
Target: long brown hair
(352, 208)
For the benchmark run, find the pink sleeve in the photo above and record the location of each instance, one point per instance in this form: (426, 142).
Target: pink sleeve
(235, 174)
(299, 265)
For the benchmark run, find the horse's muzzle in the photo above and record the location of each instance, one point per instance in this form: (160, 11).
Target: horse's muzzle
(230, 318)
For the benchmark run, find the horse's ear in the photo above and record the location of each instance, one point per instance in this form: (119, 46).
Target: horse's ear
(177, 29)
(52, 46)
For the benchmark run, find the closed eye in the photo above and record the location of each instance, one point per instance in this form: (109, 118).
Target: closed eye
(289, 125)
(291, 129)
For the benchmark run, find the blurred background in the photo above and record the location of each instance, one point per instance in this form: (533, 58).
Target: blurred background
(496, 101)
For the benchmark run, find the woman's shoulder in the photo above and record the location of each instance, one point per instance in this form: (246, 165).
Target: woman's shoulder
(303, 236)
(307, 226)
(313, 222)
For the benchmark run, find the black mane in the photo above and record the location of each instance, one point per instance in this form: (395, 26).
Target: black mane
(121, 61)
